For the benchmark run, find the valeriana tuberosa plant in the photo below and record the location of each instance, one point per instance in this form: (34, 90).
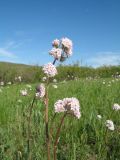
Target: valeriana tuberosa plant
(62, 49)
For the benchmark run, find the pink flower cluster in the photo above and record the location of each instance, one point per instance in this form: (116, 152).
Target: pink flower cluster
(50, 70)
(40, 91)
(56, 53)
(67, 46)
(56, 43)
(61, 49)
(69, 105)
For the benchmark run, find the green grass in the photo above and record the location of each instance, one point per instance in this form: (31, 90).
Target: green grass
(82, 139)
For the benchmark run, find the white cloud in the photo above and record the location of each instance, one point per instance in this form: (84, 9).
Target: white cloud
(104, 58)
(6, 53)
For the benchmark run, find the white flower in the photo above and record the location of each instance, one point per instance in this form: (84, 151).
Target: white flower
(116, 107)
(44, 79)
(55, 86)
(56, 43)
(2, 83)
(40, 91)
(70, 105)
(9, 83)
(99, 116)
(103, 82)
(110, 125)
(20, 78)
(56, 53)
(23, 92)
(54, 80)
(67, 46)
(50, 70)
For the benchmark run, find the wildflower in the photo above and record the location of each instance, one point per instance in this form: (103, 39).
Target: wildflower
(9, 83)
(23, 92)
(67, 46)
(59, 106)
(20, 78)
(56, 43)
(110, 125)
(56, 53)
(99, 116)
(55, 86)
(116, 107)
(50, 70)
(69, 105)
(2, 83)
(54, 80)
(44, 79)
(40, 91)
(103, 82)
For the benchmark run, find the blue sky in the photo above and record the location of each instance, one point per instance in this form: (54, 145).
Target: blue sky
(27, 28)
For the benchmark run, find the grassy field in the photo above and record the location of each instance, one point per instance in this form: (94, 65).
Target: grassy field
(83, 139)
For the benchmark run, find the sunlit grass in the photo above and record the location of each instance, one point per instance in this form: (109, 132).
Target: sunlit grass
(81, 139)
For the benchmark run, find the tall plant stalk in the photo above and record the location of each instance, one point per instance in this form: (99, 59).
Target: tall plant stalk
(57, 136)
(46, 121)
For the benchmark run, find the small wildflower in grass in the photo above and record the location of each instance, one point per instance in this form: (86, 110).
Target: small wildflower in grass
(99, 116)
(116, 107)
(110, 125)
(55, 86)
(40, 91)
(44, 79)
(23, 92)
(50, 70)
(2, 83)
(9, 83)
(69, 105)
(54, 81)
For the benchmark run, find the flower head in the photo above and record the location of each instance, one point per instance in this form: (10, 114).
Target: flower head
(50, 70)
(70, 105)
(99, 116)
(110, 125)
(56, 43)
(44, 79)
(116, 107)
(23, 92)
(67, 46)
(55, 86)
(40, 91)
(56, 53)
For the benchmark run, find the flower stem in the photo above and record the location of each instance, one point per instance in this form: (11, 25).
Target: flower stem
(54, 61)
(57, 136)
(46, 123)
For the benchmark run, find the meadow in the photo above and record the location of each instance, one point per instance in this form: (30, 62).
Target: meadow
(86, 138)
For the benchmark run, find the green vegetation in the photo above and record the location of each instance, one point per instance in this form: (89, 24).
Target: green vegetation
(30, 74)
(82, 139)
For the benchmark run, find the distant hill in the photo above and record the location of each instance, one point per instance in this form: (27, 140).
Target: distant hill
(29, 73)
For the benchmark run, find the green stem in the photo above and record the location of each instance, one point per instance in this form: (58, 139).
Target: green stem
(57, 136)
